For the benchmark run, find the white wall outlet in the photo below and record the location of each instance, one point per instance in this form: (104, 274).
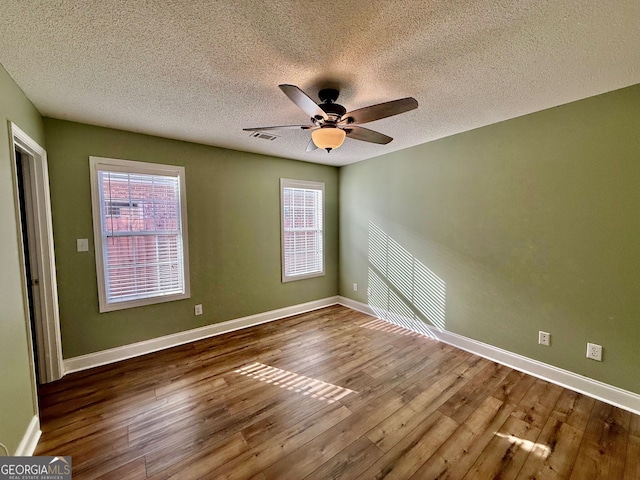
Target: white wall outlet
(198, 309)
(544, 338)
(355, 287)
(82, 244)
(594, 352)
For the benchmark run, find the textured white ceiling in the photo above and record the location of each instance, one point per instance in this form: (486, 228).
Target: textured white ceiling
(203, 70)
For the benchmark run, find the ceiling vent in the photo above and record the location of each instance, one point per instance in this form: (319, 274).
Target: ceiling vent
(263, 136)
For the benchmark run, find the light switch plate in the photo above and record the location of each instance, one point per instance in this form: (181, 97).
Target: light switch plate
(83, 244)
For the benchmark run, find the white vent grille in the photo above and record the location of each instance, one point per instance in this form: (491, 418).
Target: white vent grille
(264, 136)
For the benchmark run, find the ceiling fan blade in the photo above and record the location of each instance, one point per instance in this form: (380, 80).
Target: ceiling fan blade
(279, 127)
(311, 146)
(303, 101)
(366, 135)
(381, 110)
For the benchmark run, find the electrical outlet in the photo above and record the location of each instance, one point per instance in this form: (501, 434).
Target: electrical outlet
(198, 309)
(355, 287)
(544, 338)
(594, 352)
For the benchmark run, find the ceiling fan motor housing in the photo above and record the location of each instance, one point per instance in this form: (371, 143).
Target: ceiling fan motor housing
(328, 96)
(333, 109)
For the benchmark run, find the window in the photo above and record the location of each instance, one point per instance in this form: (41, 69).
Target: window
(302, 205)
(140, 232)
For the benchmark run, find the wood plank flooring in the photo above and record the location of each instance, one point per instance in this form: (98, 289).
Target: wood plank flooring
(331, 394)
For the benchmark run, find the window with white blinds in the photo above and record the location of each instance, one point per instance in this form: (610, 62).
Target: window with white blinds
(302, 205)
(140, 232)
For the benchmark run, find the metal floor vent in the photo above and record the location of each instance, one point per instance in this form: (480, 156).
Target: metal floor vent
(263, 136)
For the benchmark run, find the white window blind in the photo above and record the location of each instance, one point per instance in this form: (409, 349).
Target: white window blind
(140, 233)
(302, 229)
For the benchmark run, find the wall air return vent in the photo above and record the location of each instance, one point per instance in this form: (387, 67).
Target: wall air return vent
(263, 136)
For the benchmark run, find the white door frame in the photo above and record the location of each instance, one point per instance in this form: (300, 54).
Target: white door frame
(47, 331)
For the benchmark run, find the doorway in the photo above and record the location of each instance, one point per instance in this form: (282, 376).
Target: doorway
(40, 286)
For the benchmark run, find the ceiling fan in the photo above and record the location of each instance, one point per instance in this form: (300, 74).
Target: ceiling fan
(331, 123)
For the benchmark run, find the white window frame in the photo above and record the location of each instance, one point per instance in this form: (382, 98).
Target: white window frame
(307, 184)
(130, 166)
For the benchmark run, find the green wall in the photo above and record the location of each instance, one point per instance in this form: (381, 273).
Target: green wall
(531, 224)
(17, 399)
(233, 202)
(526, 225)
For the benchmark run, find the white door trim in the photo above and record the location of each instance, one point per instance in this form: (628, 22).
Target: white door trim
(49, 323)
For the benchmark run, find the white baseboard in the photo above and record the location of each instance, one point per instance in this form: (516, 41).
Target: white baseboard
(607, 393)
(30, 439)
(111, 355)
(356, 305)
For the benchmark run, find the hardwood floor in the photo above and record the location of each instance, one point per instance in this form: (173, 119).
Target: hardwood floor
(329, 394)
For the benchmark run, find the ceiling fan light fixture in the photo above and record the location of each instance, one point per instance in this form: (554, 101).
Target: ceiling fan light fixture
(328, 138)
(331, 123)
